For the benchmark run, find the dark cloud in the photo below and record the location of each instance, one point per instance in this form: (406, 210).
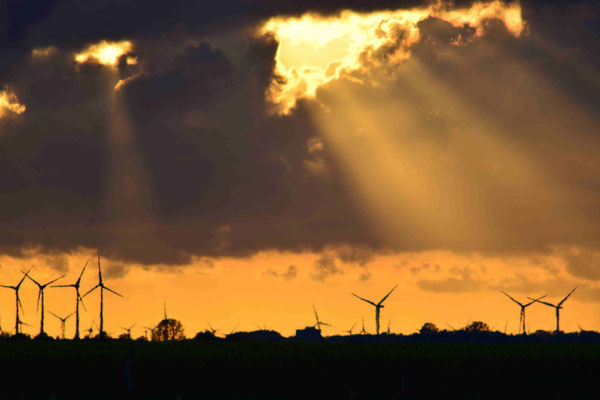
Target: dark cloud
(287, 275)
(356, 255)
(324, 268)
(229, 178)
(116, 271)
(58, 262)
(583, 264)
(365, 276)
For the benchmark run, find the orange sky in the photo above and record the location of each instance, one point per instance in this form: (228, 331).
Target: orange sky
(247, 292)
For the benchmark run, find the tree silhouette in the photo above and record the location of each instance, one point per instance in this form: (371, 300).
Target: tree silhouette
(168, 329)
(428, 328)
(477, 326)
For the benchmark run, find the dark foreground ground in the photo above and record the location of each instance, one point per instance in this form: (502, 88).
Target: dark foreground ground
(292, 370)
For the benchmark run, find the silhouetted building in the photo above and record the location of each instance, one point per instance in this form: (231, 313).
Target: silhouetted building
(309, 334)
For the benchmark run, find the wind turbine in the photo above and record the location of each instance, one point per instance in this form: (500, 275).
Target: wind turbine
(102, 289)
(377, 306)
(212, 330)
(522, 314)
(319, 323)
(78, 299)
(363, 331)
(128, 330)
(18, 300)
(63, 321)
(349, 331)
(91, 329)
(41, 288)
(19, 322)
(557, 307)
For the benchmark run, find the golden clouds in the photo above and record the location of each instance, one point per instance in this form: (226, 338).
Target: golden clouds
(314, 50)
(106, 53)
(9, 103)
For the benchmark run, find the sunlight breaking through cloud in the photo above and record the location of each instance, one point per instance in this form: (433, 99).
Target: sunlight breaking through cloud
(106, 53)
(314, 50)
(9, 103)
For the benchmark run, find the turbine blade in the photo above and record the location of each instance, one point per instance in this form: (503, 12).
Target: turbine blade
(20, 304)
(387, 295)
(8, 287)
(37, 307)
(543, 302)
(81, 300)
(82, 271)
(60, 277)
(512, 298)
(62, 286)
(565, 299)
(316, 315)
(25, 274)
(533, 301)
(368, 301)
(55, 315)
(110, 290)
(91, 290)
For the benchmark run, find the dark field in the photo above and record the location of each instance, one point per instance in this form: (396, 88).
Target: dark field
(257, 370)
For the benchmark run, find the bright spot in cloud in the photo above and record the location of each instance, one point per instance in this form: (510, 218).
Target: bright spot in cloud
(42, 52)
(314, 50)
(9, 103)
(106, 53)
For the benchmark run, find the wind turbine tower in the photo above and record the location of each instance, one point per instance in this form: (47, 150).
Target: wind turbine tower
(377, 306)
(41, 288)
(522, 314)
(78, 299)
(102, 289)
(18, 300)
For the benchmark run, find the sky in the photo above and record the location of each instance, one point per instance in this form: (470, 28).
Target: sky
(245, 160)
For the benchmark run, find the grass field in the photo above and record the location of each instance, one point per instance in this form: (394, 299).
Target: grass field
(288, 369)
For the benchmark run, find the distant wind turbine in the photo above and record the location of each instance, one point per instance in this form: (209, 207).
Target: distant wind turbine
(63, 322)
(78, 298)
(212, 330)
(319, 323)
(102, 289)
(522, 314)
(41, 288)
(128, 330)
(377, 306)
(18, 300)
(363, 331)
(557, 307)
(349, 331)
